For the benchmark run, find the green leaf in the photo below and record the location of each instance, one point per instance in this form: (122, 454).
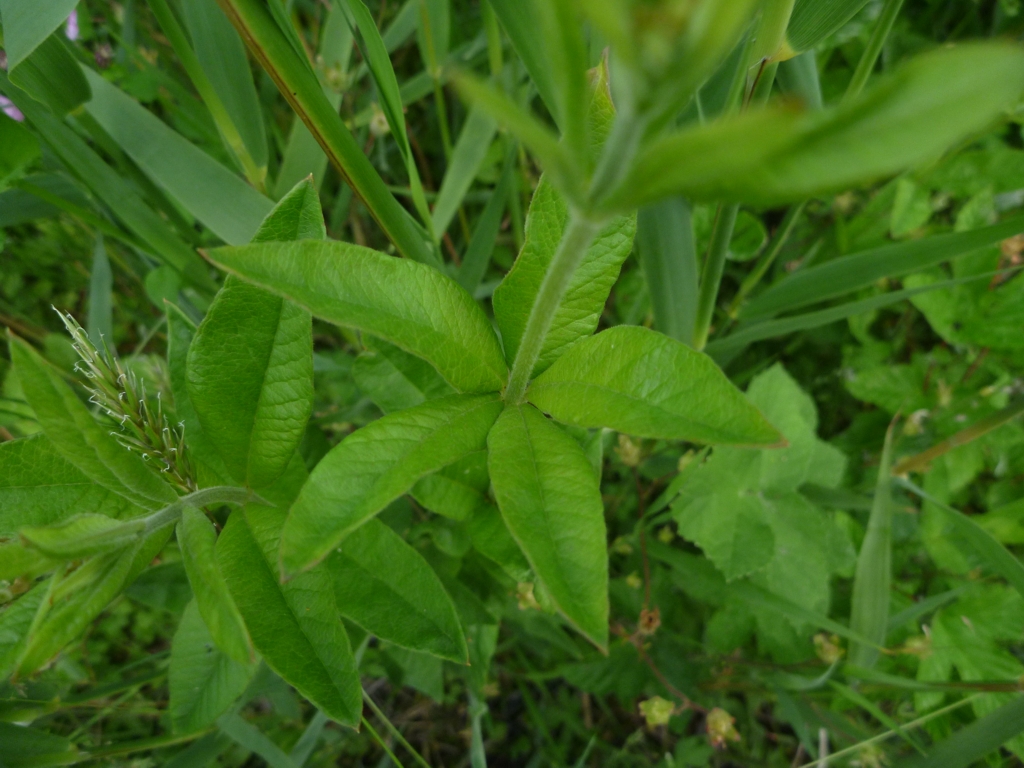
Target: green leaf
(386, 587)
(18, 149)
(814, 20)
(394, 379)
(115, 192)
(38, 487)
(68, 615)
(550, 499)
(31, 747)
(584, 299)
(668, 256)
(214, 195)
(291, 70)
(519, 18)
(50, 74)
(80, 536)
(294, 626)
(456, 491)
(643, 383)
(375, 465)
(250, 366)
(493, 540)
(222, 57)
(413, 306)
(15, 622)
(197, 541)
(859, 270)
(250, 738)
(485, 234)
(975, 741)
(869, 612)
(80, 439)
(203, 680)
(779, 154)
(469, 152)
(27, 25)
(100, 322)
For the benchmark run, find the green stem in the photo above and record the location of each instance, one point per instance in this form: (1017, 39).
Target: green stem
(393, 730)
(225, 125)
(711, 274)
(867, 62)
(768, 257)
(578, 235)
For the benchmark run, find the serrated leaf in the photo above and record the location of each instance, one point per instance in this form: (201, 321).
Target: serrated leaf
(779, 154)
(386, 587)
(408, 304)
(38, 486)
(203, 680)
(377, 464)
(80, 439)
(550, 499)
(294, 626)
(197, 542)
(643, 383)
(250, 366)
(588, 290)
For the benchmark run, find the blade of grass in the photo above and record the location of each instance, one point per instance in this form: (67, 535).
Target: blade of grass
(299, 86)
(393, 730)
(869, 612)
(922, 608)
(997, 557)
(481, 245)
(99, 323)
(307, 741)
(977, 740)
(518, 18)
(869, 58)
(249, 737)
(858, 270)
(919, 462)
(668, 256)
(872, 709)
(470, 151)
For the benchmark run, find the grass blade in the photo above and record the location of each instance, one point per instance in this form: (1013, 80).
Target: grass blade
(469, 153)
(668, 255)
(227, 205)
(975, 741)
(997, 557)
(519, 19)
(851, 273)
(100, 323)
(481, 244)
(249, 737)
(869, 614)
(299, 86)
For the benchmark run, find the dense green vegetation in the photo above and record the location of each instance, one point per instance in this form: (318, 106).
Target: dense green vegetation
(511, 383)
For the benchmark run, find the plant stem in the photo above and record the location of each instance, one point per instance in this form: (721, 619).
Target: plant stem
(868, 59)
(578, 235)
(711, 274)
(393, 730)
(768, 258)
(225, 125)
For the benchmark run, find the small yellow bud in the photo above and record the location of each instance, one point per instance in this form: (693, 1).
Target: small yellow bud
(656, 711)
(634, 580)
(622, 547)
(721, 728)
(666, 534)
(524, 593)
(827, 647)
(628, 451)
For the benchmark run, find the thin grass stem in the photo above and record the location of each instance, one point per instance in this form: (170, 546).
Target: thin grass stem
(869, 58)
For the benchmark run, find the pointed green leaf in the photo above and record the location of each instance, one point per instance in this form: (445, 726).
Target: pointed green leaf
(814, 20)
(80, 439)
(223, 59)
(668, 255)
(394, 379)
(203, 680)
(411, 305)
(386, 587)
(869, 611)
(50, 74)
(250, 366)
(779, 154)
(971, 744)
(643, 383)
(294, 626)
(197, 540)
(69, 615)
(375, 465)
(38, 486)
(214, 195)
(27, 24)
(456, 491)
(588, 291)
(493, 540)
(550, 500)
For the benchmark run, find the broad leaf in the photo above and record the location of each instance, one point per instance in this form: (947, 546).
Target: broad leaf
(394, 379)
(38, 486)
(50, 74)
(206, 189)
(80, 439)
(456, 491)
(294, 626)
(27, 24)
(493, 540)
(411, 305)
(204, 681)
(31, 747)
(375, 465)
(779, 154)
(250, 366)
(588, 290)
(197, 541)
(549, 497)
(386, 587)
(643, 383)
